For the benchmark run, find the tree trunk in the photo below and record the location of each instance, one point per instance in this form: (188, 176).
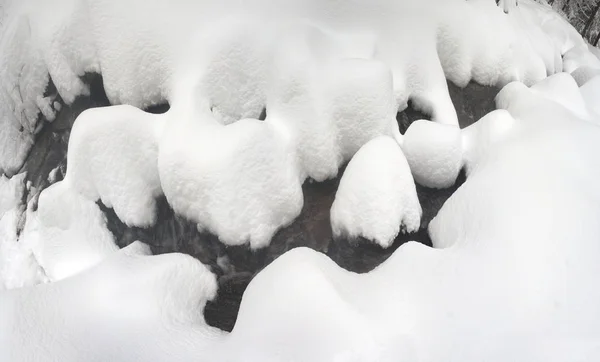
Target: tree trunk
(588, 24)
(597, 39)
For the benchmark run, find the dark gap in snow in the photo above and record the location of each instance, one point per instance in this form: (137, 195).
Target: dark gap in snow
(50, 147)
(158, 108)
(408, 116)
(472, 102)
(263, 114)
(236, 266)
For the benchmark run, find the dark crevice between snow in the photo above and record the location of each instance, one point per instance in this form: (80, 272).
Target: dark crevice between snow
(158, 108)
(236, 266)
(263, 114)
(471, 103)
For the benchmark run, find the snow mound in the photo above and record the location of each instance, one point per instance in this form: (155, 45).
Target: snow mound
(67, 233)
(434, 153)
(230, 48)
(516, 251)
(113, 156)
(18, 266)
(131, 297)
(376, 195)
(239, 181)
(563, 89)
(480, 137)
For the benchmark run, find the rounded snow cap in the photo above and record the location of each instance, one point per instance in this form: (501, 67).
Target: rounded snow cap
(434, 153)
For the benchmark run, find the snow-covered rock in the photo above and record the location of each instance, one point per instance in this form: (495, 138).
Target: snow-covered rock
(377, 195)
(434, 153)
(480, 137)
(239, 181)
(113, 156)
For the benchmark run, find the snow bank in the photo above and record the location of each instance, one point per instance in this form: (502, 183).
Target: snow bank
(132, 307)
(563, 89)
(434, 153)
(377, 195)
(18, 266)
(590, 92)
(583, 74)
(230, 46)
(483, 135)
(113, 156)
(579, 56)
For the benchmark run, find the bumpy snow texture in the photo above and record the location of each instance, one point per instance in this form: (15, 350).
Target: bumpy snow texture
(515, 248)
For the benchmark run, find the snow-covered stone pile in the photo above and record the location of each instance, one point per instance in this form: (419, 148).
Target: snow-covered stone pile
(515, 249)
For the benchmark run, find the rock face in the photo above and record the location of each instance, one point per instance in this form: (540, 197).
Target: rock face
(236, 266)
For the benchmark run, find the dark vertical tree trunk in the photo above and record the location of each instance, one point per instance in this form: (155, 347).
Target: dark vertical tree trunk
(597, 39)
(590, 21)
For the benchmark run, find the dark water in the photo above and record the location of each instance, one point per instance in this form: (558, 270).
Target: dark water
(236, 266)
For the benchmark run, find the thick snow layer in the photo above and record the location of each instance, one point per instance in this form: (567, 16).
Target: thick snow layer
(377, 195)
(230, 46)
(434, 153)
(509, 279)
(579, 56)
(563, 89)
(483, 135)
(113, 156)
(18, 266)
(590, 92)
(132, 307)
(67, 233)
(239, 181)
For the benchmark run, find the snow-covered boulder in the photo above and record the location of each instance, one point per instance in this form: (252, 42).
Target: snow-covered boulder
(240, 181)
(480, 137)
(113, 156)
(434, 153)
(377, 195)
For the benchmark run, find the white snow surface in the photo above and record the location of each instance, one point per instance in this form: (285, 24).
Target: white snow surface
(67, 233)
(231, 46)
(434, 153)
(377, 195)
(584, 73)
(515, 253)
